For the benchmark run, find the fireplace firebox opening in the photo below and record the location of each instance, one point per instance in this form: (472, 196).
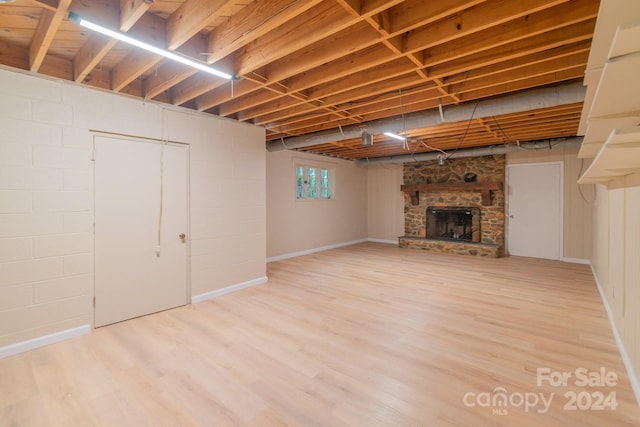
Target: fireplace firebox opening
(453, 223)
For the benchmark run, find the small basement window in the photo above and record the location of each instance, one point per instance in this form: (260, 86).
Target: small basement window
(314, 183)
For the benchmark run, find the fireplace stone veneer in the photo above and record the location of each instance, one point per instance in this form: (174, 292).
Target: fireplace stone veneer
(428, 185)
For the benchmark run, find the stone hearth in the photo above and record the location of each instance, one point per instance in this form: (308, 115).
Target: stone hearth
(429, 185)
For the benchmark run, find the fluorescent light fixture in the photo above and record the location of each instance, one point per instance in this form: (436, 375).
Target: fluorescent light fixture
(142, 45)
(395, 136)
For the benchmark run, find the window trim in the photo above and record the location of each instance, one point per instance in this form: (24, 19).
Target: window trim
(312, 165)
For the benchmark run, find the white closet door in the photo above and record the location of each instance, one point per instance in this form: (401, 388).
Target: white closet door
(133, 276)
(535, 210)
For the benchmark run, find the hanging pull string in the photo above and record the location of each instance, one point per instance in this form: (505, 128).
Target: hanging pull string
(341, 132)
(162, 144)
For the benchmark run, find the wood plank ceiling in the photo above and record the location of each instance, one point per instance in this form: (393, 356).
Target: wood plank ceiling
(308, 66)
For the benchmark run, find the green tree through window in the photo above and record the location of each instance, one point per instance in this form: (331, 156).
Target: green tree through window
(324, 183)
(312, 188)
(300, 182)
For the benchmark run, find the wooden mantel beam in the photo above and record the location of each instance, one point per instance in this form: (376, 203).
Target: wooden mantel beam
(484, 188)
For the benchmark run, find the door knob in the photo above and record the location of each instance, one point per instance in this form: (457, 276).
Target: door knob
(511, 216)
(182, 236)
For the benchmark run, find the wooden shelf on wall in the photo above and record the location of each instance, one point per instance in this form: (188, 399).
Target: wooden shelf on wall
(611, 114)
(484, 188)
(619, 156)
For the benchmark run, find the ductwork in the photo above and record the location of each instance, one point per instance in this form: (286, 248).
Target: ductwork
(472, 152)
(517, 102)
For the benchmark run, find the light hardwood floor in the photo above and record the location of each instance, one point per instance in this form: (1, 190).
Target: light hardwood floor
(366, 335)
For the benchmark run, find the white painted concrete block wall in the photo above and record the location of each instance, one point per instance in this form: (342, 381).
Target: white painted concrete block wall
(46, 198)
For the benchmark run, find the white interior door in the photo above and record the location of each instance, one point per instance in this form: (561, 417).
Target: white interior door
(134, 275)
(535, 210)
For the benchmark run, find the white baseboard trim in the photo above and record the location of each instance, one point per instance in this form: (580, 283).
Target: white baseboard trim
(389, 242)
(233, 288)
(633, 378)
(576, 260)
(311, 251)
(38, 342)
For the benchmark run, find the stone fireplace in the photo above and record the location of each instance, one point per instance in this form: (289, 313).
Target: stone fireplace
(457, 207)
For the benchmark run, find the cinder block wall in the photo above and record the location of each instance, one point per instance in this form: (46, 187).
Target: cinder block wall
(46, 198)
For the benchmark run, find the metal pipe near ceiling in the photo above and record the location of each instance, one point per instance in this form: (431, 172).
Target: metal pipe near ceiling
(551, 144)
(518, 102)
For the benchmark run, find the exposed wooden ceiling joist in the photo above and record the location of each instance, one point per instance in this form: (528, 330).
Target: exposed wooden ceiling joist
(319, 65)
